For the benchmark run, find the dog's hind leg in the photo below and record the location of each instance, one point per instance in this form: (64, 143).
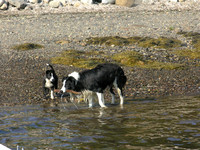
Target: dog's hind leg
(119, 91)
(101, 99)
(113, 95)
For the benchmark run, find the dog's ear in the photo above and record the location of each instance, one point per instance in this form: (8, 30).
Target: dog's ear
(74, 82)
(71, 83)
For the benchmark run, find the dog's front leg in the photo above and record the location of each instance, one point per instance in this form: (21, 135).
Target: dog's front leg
(45, 92)
(52, 93)
(101, 99)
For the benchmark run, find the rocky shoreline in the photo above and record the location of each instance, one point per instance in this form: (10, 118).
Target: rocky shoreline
(22, 71)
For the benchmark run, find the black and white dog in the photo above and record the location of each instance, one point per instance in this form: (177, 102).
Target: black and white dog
(96, 80)
(50, 82)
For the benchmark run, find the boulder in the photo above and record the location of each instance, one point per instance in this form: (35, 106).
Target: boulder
(34, 1)
(46, 1)
(63, 2)
(55, 4)
(87, 1)
(2, 2)
(20, 4)
(174, 1)
(127, 3)
(149, 1)
(108, 2)
(4, 6)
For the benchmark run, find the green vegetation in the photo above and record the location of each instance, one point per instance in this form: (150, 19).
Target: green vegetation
(161, 42)
(80, 59)
(195, 38)
(90, 59)
(131, 59)
(108, 41)
(27, 46)
(192, 53)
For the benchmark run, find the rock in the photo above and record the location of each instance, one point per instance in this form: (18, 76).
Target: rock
(174, 1)
(34, 1)
(108, 2)
(29, 7)
(55, 4)
(148, 1)
(4, 6)
(77, 4)
(63, 2)
(127, 3)
(87, 1)
(2, 2)
(20, 4)
(46, 1)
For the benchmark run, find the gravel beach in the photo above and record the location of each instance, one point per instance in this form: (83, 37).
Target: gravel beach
(22, 71)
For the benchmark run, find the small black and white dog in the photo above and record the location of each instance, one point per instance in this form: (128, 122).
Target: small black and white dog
(96, 80)
(50, 82)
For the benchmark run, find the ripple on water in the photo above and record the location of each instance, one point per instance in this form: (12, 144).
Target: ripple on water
(144, 124)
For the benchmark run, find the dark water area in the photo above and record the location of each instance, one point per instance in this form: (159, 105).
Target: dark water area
(170, 123)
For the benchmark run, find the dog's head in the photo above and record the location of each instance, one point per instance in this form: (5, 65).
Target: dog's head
(50, 75)
(69, 83)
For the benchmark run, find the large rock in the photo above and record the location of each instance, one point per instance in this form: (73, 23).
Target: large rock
(63, 2)
(108, 1)
(127, 3)
(55, 4)
(34, 1)
(4, 6)
(20, 4)
(87, 1)
(2, 2)
(46, 1)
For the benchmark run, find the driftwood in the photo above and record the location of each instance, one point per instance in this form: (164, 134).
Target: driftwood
(68, 91)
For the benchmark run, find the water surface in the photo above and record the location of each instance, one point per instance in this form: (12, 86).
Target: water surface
(171, 123)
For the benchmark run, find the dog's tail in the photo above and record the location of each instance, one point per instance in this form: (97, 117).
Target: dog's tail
(50, 66)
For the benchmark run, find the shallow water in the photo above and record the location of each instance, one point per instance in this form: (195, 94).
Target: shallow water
(172, 123)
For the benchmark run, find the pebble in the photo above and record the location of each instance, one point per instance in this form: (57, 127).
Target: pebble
(91, 5)
(71, 29)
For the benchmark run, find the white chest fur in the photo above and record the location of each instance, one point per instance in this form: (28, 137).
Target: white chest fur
(48, 83)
